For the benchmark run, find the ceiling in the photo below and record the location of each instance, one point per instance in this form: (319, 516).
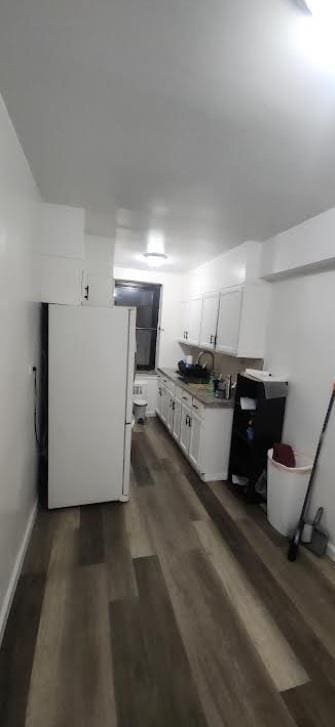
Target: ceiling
(206, 120)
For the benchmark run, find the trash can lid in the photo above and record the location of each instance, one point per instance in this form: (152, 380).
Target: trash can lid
(140, 402)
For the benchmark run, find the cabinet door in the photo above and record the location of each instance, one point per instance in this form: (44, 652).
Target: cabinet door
(229, 321)
(177, 419)
(170, 414)
(183, 320)
(98, 290)
(194, 321)
(185, 429)
(159, 398)
(165, 398)
(61, 280)
(195, 440)
(209, 319)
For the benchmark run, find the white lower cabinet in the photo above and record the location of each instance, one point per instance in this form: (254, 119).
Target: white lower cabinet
(164, 403)
(202, 432)
(170, 413)
(195, 441)
(185, 429)
(177, 419)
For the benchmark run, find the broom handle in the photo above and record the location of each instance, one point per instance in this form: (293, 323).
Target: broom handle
(317, 455)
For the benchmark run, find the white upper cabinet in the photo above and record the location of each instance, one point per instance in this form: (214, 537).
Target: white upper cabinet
(190, 317)
(229, 321)
(194, 320)
(61, 280)
(209, 319)
(97, 290)
(242, 320)
(183, 319)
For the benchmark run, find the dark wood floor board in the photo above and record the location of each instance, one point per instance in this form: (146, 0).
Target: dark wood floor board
(141, 471)
(152, 650)
(309, 649)
(312, 595)
(64, 553)
(91, 541)
(165, 446)
(120, 574)
(138, 533)
(178, 608)
(179, 486)
(18, 648)
(38, 553)
(275, 652)
(223, 661)
(166, 518)
(72, 680)
(312, 705)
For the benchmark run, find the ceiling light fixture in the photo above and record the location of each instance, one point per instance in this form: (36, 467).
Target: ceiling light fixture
(323, 10)
(155, 259)
(315, 33)
(155, 254)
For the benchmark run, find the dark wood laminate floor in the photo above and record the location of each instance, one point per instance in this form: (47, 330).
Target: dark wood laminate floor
(177, 608)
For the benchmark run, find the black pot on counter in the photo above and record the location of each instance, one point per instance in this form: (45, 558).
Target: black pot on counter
(194, 371)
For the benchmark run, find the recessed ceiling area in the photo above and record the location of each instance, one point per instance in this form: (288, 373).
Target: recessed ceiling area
(206, 120)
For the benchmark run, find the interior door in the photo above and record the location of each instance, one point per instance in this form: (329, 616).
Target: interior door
(195, 440)
(195, 306)
(209, 317)
(185, 430)
(229, 320)
(88, 350)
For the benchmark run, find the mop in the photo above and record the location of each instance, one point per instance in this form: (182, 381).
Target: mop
(295, 540)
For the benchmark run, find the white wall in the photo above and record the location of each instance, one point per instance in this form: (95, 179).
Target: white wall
(233, 267)
(169, 351)
(19, 327)
(99, 254)
(301, 346)
(305, 247)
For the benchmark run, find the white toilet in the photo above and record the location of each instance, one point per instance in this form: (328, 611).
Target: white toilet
(139, 409)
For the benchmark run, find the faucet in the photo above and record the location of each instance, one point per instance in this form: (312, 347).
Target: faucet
(206, 353)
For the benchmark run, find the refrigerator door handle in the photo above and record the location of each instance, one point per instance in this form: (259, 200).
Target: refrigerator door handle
(124, 497)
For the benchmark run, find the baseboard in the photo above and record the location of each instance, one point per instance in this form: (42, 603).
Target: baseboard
(331, 551)
(8, 599)
(214, 478)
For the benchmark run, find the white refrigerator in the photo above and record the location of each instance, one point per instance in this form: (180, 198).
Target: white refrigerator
(91, 355)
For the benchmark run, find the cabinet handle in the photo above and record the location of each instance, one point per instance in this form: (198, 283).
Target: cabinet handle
(87, 288)
(190, 422)
(173, 405)
(211, 339)
(184, 397)
(195, 406)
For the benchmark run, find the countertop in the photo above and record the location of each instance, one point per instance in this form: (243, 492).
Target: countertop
(203, 392)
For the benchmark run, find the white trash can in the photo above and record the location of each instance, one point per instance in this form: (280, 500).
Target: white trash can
(286, 491)
(139, 409)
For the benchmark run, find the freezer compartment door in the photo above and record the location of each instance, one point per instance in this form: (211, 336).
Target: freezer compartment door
(88, 356)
